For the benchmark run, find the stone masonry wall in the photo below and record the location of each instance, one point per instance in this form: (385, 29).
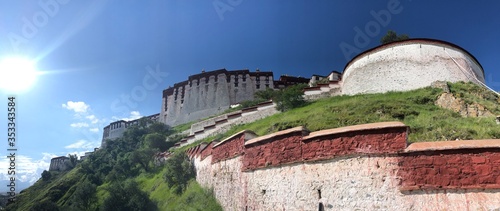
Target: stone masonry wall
(231, 147)
(210, 93)
(364, 167)
(222, 123)
(408, 65)
(476, 167)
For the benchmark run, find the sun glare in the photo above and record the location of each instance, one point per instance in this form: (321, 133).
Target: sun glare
(17, 74)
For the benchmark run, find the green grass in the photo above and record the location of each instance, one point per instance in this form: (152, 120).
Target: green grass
(183, 127)
(48, 190)
(194, 198)
(416, 109)
(473, 93)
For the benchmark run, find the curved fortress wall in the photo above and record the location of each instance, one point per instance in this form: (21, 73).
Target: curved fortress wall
(408, 65)
(210, 93)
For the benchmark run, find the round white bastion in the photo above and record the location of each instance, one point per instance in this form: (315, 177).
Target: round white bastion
(408, 65)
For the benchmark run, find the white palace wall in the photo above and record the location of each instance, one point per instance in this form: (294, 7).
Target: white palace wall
(409, 65)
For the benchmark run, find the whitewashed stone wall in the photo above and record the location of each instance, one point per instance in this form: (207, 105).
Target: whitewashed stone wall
(226, 180)
(247, 117)
(349, 183)
(408, 65)
(207, 96)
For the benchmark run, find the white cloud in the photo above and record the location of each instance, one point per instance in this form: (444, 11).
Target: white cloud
(84, 118)
(27, 169)
(81, 144)
(79, 124)
(80, 153)
(93, 119)
(78, 107)
(133, 116)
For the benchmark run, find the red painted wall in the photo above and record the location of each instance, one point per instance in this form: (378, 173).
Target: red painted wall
(281, 150)
(379, 141)
(207, 151)
(451, 169)
(431, 165)
(229, 148)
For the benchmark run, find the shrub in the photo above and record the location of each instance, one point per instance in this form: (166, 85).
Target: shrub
(46, 175)
(127, 196)
(179, 170)
(290, 97)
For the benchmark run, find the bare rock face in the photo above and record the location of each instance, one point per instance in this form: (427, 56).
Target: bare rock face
(449, 101)
(441, 85)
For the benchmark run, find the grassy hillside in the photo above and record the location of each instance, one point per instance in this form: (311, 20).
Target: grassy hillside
(416, 109)
(125, 166)
(122, 176)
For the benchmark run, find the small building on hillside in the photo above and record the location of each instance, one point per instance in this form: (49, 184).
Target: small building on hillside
(58, 163)
(117, 128)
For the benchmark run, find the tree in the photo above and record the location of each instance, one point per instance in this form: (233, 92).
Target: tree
(161, 128)
(179, 170)
(84, 196)
(157, 141)
(141, 157)
(45, 206)
(46, 175)
(127, 196)
(391, 36)
(267, 94)
(290, 97)
(71, 163)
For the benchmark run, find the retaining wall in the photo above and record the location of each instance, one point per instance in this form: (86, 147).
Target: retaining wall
(366, 167)
(224, 122)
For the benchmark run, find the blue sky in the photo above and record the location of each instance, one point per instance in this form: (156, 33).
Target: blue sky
(106, 60)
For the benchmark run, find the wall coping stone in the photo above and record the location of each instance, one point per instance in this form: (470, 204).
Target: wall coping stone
(248, 135)
(265, 103)
(279, 133)
(220, 121)
(453, 145)
(312, 88)
(363, 127)
(234, 114)
(209, 126)
(249, 109)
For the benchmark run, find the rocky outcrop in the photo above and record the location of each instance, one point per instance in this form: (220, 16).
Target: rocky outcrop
(449, 101)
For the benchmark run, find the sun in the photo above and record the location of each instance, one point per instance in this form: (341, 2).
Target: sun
(17, 74)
